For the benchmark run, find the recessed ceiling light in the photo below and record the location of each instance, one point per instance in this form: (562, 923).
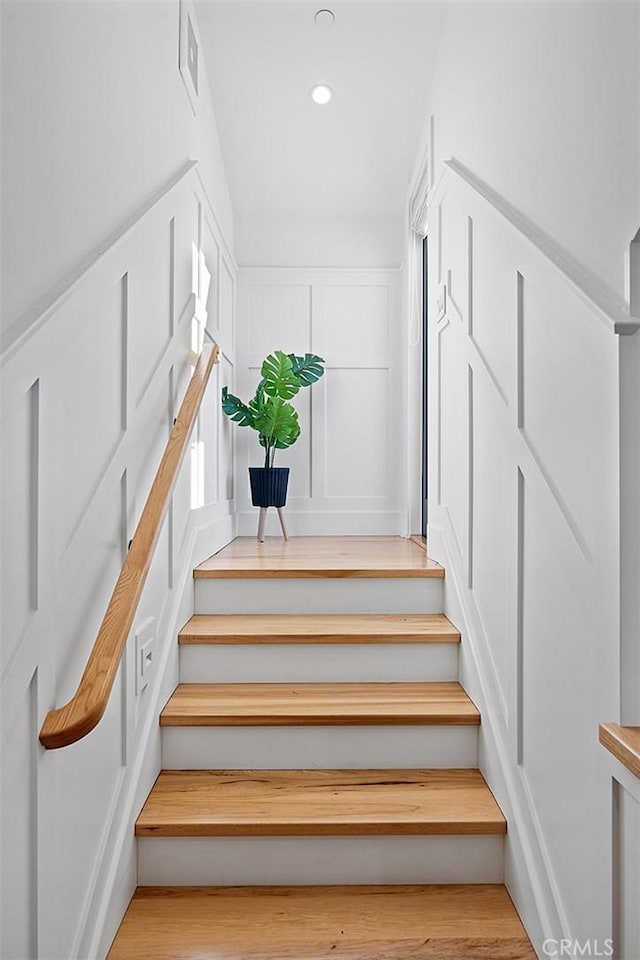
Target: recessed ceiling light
(321, 93)
(324, 18)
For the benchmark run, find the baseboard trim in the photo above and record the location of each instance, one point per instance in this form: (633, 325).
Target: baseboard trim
(328, 524)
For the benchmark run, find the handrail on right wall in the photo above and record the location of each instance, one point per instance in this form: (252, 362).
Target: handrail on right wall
(86, 708)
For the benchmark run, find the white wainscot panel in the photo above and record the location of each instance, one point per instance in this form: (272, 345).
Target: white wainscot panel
(227, 300)
(566, 428)
(279, 319)
(495, 303)
(225, 432)
(355, 325)
(453, 261)
(148, 618)
(90, 359)
(453, 435)
(185, 241)
(357, 433)
(182, 503)
(626, 877)
(17, 464)
(568, 685)
(18, 866)
(210, 249)
(83, 588)
(149, 451)
(494, 520)
(149, 310)
(207, 436)
(181, 499)
(80, 788)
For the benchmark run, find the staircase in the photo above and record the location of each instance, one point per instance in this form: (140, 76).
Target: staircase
(320, 793)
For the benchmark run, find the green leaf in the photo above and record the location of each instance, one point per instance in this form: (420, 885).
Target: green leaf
(240, 412)
(278, 423)
(279, 378)
(308, 369)
(290, 440)
(256, 404)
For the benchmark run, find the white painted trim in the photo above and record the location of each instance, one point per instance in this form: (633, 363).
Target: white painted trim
(108, 862)
(224, 246)
(629, 447)
(396, 268)
(37, 315)
(413, 350)
(317, 523)
(202, 540)
(602, 304)
(530, 879)
(316, 513)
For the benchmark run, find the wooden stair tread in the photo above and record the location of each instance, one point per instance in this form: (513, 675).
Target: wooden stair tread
(623, 743)
(319, 628)
(461, 922)
(188, 803)
(320, 557)
(272, 704)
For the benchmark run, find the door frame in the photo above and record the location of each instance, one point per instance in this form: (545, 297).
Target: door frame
(417, 382)
(424, 432)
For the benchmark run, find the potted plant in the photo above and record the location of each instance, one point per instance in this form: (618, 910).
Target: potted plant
(274, 419)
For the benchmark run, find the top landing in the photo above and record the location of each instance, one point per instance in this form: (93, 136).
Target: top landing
(320, 557)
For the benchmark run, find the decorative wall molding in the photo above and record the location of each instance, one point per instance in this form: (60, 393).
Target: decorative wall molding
(89, 393)
(347, 474)
(39, 314)
(529, 885)
(524, 449)
(611, 313)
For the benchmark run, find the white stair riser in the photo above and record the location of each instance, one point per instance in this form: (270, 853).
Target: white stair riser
(242, 861)
(318, 748)
(331, 595)
(322, 663)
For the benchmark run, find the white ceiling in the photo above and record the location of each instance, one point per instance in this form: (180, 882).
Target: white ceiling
(283, 154)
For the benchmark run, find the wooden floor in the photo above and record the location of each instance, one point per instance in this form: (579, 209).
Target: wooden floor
(287, 803)
(322, 923)
(319, 628)
(277, 704)
(320, 557)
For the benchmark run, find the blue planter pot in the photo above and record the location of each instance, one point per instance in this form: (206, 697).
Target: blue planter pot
(269, 486)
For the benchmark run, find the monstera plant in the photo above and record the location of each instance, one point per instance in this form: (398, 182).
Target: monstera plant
(274, 418)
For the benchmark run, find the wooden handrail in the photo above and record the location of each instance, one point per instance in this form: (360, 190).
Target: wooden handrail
(81, 714)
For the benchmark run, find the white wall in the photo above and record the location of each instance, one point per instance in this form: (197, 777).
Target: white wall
(90, 386)
(347, 475)
(318, 242)
(524, 514)
(88, 400)
(542, 101)
(95, 119)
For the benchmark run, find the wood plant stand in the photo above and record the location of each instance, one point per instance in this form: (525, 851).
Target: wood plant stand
(261, 522)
